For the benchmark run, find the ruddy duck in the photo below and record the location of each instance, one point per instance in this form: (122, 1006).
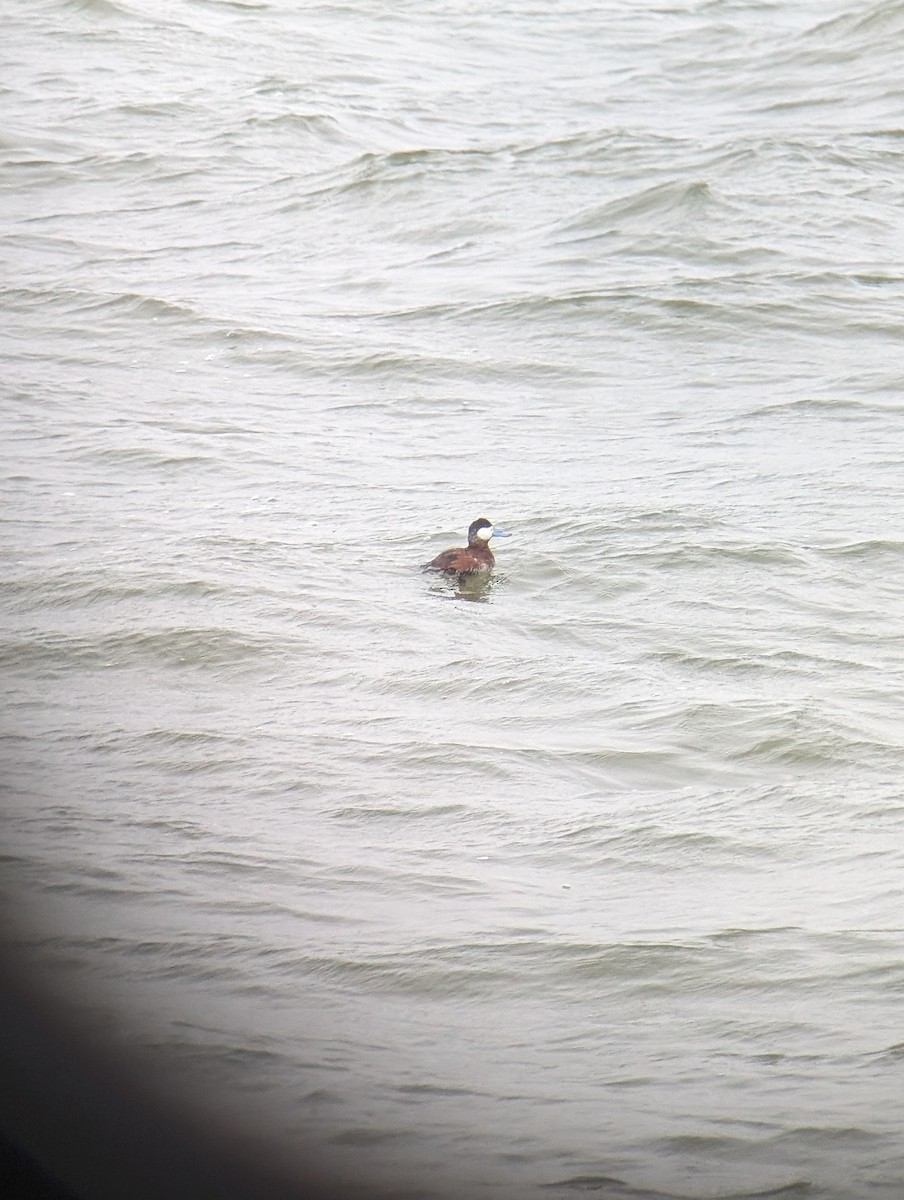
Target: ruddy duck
(474, 559)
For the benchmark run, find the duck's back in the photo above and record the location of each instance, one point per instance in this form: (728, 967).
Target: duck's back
(462, 560)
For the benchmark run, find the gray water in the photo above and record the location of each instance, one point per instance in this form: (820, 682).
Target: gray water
(586, 879)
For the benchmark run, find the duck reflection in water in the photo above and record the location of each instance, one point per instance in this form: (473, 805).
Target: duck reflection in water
(470, 565)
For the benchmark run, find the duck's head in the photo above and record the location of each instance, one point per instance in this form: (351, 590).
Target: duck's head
(482, 530)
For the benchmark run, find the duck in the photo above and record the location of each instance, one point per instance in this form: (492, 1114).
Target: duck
(474, 559)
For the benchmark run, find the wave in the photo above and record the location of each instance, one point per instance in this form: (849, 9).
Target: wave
(842, 408)
(101, 8)
(84, 590)
(859, 30)
(109, 304)
(674, 198)
(176, 647)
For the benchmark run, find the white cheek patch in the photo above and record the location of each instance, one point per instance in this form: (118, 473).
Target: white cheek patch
(485, 534)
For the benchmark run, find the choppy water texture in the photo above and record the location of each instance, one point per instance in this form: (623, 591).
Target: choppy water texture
(588, 880)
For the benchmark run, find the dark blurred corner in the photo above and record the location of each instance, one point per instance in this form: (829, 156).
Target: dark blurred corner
(76, 1123)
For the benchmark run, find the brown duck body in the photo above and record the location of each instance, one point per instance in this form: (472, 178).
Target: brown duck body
(464, 560)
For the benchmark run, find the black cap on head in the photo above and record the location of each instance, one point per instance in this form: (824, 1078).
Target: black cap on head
(480, 523)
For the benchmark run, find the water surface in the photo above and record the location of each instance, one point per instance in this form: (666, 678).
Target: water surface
(589, 880)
